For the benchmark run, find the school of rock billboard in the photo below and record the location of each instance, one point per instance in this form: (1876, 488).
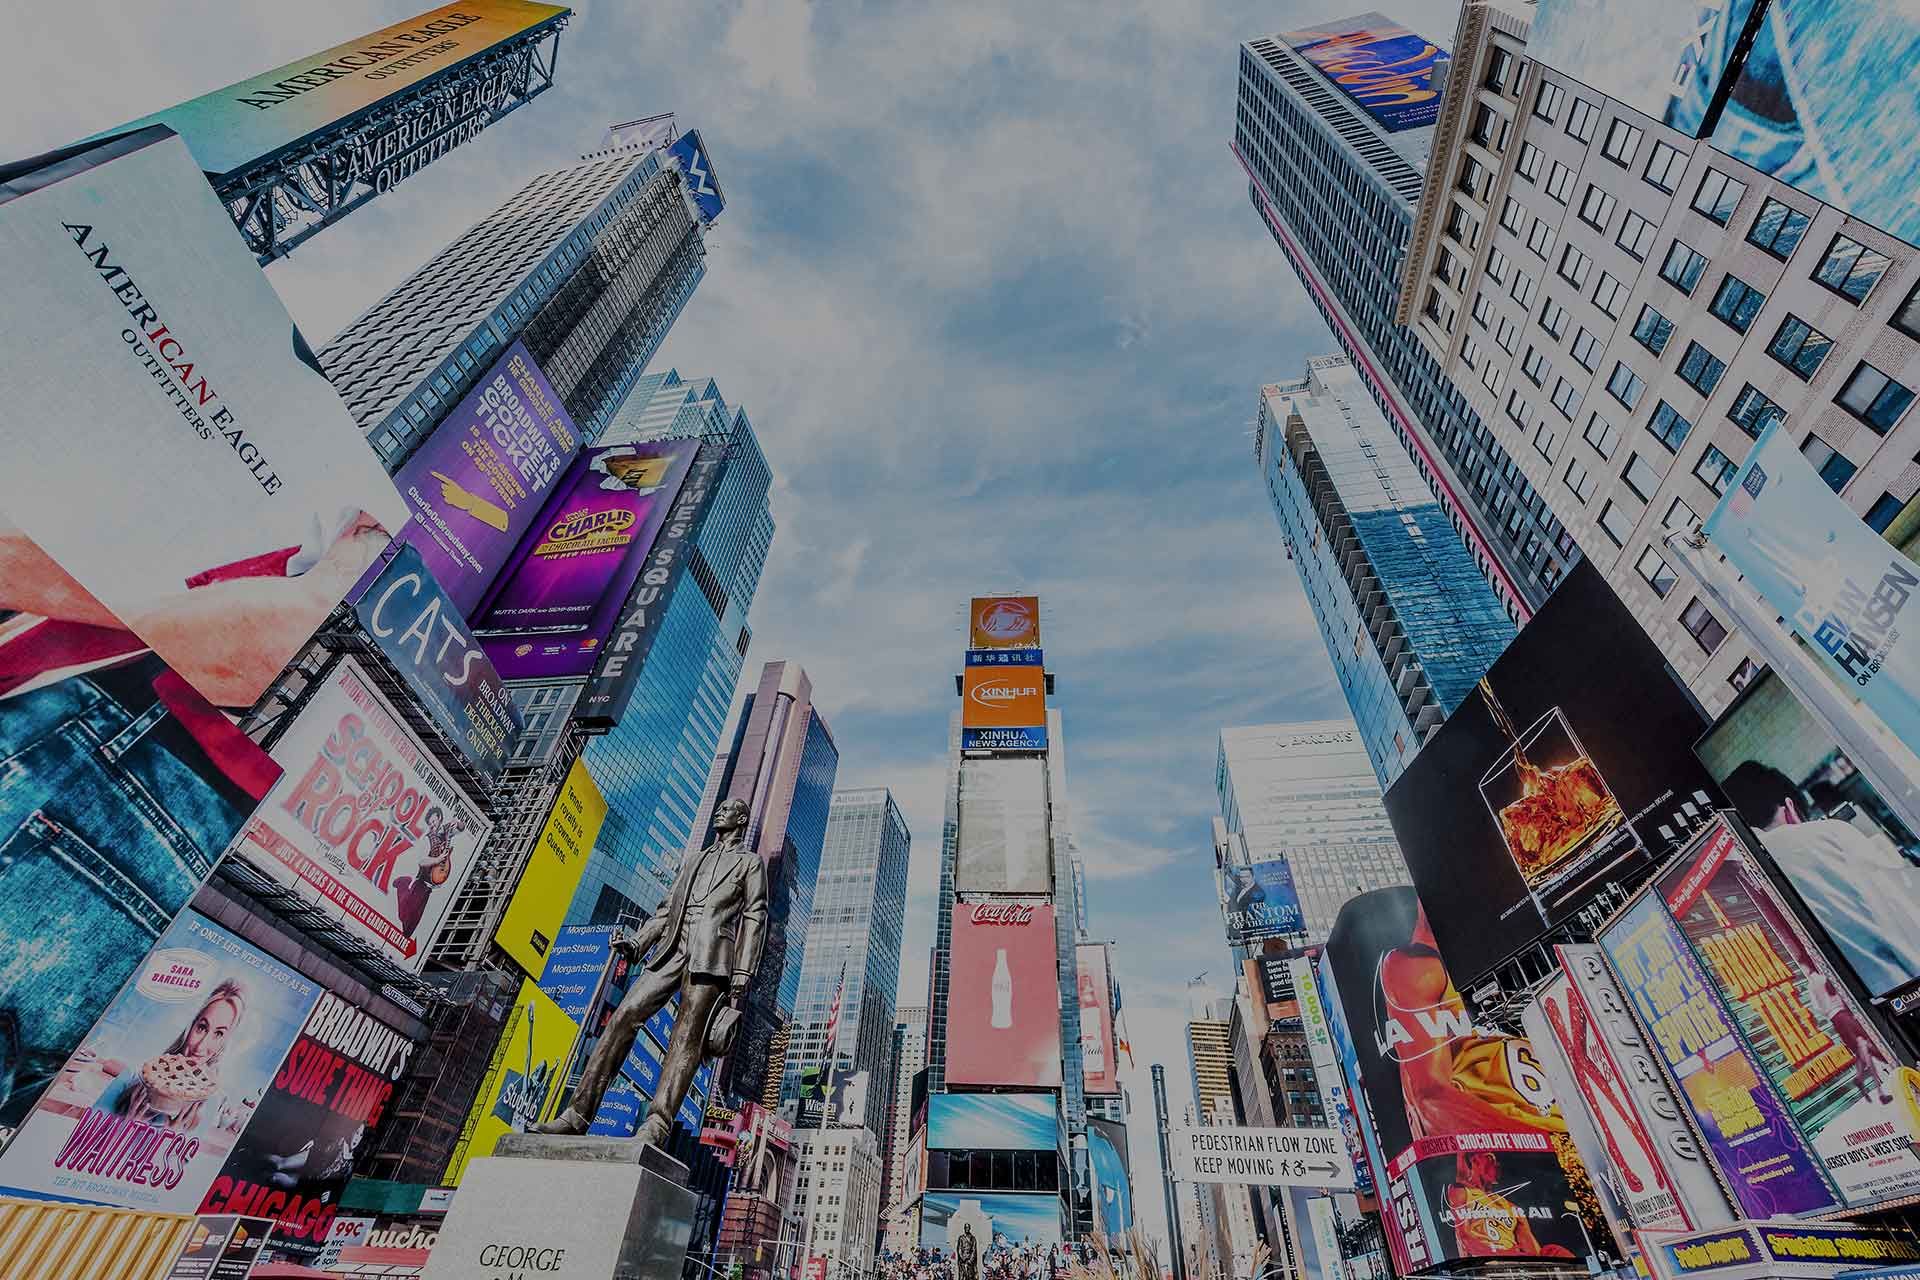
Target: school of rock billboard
(363, 823)
(1003, 1006)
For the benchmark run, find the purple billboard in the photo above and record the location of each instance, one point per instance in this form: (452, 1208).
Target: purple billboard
(476, 485)
(563, 590)
(1384, 68)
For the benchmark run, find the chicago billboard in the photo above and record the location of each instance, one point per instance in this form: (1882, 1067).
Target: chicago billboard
(1003, 1007)
(1567, 776)
(1478, 1161)
(1384, 68)
(296, 1154)
(1847, 854)
(1260, 902)
(1003, 845)
(146, 1110)
(539, 903)
(567, 582)
(1003, 622)
(230, 501)
(1839, 1079)
(477, 483)
(1004, 708)
(364, 824)
(993, 1122)
(522, 1079)
(1099, 1062)
(418, 629)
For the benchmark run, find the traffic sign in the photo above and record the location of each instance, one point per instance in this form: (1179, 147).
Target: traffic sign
(1262, 1157)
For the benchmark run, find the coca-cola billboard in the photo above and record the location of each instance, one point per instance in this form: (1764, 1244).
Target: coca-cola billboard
(1003, 1010)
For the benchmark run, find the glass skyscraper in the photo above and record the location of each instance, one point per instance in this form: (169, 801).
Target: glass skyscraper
(1337, 190)
(1408, 621)
(859, 913)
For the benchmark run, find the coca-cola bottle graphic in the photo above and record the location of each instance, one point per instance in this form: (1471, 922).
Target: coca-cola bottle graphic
(1002, 992)
(1093, 1048)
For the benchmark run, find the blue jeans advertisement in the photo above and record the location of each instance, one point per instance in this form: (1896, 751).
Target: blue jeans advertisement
(113, 812)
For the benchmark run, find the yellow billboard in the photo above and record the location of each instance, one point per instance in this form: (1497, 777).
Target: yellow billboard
(553, 872)
(521, 1081)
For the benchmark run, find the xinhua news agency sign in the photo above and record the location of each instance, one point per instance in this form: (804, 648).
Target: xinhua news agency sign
(1262, 1157)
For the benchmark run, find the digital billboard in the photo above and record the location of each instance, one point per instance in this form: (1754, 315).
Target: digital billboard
(251, 121)
(1112, 1177)
(1004, 843)
(1384, 68)
(477, 483)
(1099, 1060)
(697, 171)
(1260, 902)
(296, 1154)
(1324, 1052)
(1841, 1083)
(1004, 708)
(539, 903)
(523, 1077)
(91, 873)
(993, 1121)
(229, 498)
(1847, 854)
(1666, 61)
(1568, 773)
(1001, 1220)
(1749, 1135)
(1003, 622)
(575, 961)
(146, 1110)
(1345, 1088)
(363, 824)
(567, 582)
(418, 629)
(1478, 1160)
(1003, 1006)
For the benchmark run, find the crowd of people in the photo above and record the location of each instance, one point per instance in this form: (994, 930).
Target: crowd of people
(1001, 1260)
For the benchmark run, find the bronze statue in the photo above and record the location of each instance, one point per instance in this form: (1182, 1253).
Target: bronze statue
(706, 939)
(966, 1254)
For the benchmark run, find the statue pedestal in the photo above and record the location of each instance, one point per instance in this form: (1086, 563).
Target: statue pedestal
(553, 1208)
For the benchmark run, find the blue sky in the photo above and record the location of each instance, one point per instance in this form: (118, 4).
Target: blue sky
(990, 287)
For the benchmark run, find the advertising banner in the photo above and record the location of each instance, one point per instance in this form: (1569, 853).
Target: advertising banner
(1840, 1081)
(1651, 1157)
(522, 1079)
(296, 1154)
(1851, 859)
(1004, 844)
(1664, 60)
(847, 1106)
(1566, 777)
(1287, 1157)
(1002, 1221)
(993, 1121)
(1003, 622)
(477, 483)
(1384, 68)
(1479, 1164)
(1004, 708)
(89, 870)
(567, 582)
(1837, 582)
(1003, 1010)
(576, 960)
(1749, 1135)
(1783, 1251)
(1339, 1090)
(1112, 1177)
(221, 1247)
(423, 634)
(230, 500)
(363, 823)
(539, 903)
(691, 154)
(1261, 902)
(147, 1109)
(245, 123)
(1099, 1062)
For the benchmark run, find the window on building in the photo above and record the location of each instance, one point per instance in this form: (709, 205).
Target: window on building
(1580, 480)
(1482, 309)
(1596, 208)
(1553, 317)
(1622, 144)
(1438, 310)
(1507, 334)
(1548, 102)
(1636, 235)
(1851, 269)
(1880, 515)
(1486, 126)
(1701, 369)
(1461, 227)
(1715, 470)
(1530, 162)
(1497, 266)
(1641, 476)
(1778, 229)
(1523, 288)
(1493, 377)
(1655, 572)
(1546, 442)
(1717, 195)
(1574, 266)
(1617, 523)
(1737, 302)
(1680, 516)
(1513, 215)
(1610, 295)
(1702, 626)
(1874, 398)
(1652, 330)
(1540, 239)
(1753, 411)
(1587, 349)
(1668, 427)
(1683, 267)
(1560, 182)
(1499, 70)
(1799, 346)
(1566, 398)
(1583, 119)
(1473, 178)
(1518, 410)
(1601, 435)
(1448, 268)
(1828, 461)
(1665, 166)
(1625, 385)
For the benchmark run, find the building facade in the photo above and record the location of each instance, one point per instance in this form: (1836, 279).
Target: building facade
(909, 1058)
(1336, 188)
(1627, 308)
(838, 1196)
(1408, 621)
(859, 914)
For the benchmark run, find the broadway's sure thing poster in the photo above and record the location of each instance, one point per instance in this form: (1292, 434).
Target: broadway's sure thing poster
(364, 823)
(1849, 1096)
(295, 1156)
(148, 1108)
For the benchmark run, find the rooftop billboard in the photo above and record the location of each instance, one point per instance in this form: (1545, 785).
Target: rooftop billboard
(1003, 1011)
(1003, 622)
(1260, 902)
(1004, 708)
(1003, 843)
(1384, 68)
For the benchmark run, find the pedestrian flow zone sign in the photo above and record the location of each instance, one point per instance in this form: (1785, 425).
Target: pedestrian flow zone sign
(1262, 1157)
